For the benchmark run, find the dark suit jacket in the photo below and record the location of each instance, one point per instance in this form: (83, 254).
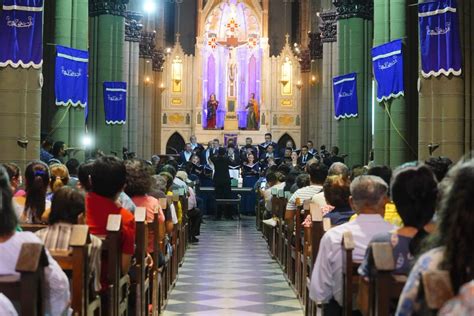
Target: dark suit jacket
(182, 157)
(300, 159)
(222, 186)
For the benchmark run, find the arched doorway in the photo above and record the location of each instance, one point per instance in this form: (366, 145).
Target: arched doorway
(283, 140)
(175, 144)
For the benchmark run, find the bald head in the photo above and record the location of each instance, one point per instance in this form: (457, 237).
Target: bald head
(369, 194)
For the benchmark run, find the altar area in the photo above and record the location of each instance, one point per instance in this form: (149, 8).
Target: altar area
(231, 62)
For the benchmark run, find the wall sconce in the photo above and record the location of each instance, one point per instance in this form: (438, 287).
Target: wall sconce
(313, 80)
(299, 84)
(286, 72)
(147, 81)
(161, 87)
(177, 70)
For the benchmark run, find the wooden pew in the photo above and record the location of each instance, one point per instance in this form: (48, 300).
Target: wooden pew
(312, 239)
(84, 300)
(437, 289)
(156, 274)
(272, 232)
(350, 277)
(140, 280)
(299, 262)
(32, 227)
(27, 290)
(175, 242)
(118, 284)
(384, 287)
(282, 231)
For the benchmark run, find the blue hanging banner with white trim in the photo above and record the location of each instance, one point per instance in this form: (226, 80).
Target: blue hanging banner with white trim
(388, 70)
(345, 96)
(439, 38)
(115, 100)
(71, 76)
(21, 34)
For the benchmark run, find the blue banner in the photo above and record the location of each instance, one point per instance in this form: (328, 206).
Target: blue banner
(21, 28)
(345, 96)
(71, 76)
(388, 70)
(115, 100)
(439, 38)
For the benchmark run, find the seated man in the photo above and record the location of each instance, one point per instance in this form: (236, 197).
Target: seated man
(368, 199)
(108, 178)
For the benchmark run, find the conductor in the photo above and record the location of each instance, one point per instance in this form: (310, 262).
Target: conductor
(222, 181)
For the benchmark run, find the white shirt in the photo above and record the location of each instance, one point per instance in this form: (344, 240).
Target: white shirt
(303, 194)
(187, 155)
(319, 200)
(6, 306)
(56, 282)
(326, 279)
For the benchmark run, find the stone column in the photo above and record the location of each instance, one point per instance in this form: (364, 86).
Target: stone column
(441, 112)
(133, 29)
(354, 41)
(66, 24)
(392, 137)
(106, 64)
(20, 114)
(327, 132)
(314, 85)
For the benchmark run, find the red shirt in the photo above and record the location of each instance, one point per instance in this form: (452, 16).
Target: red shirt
(98, 209)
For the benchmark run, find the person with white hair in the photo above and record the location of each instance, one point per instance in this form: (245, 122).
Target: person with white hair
(368, 199)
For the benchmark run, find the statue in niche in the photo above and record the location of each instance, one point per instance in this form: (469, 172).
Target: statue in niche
(212, 106)
(263, 118)
(165, 119)
(253, 114)
(199, 119)
(298, 121)
(188, 119)
(275, 119)
(232, 73)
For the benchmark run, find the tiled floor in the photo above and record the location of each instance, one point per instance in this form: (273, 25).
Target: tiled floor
(230, 272)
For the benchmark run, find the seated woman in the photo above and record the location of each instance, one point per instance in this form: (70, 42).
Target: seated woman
(414, 191)
(59, 178)
(14, 173)
(56, 283)
(138, 186)
(337, 192)
(34, 208)
(452, 244)
(67, 209)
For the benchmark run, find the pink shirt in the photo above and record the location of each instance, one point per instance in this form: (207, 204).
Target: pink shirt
(151, 204)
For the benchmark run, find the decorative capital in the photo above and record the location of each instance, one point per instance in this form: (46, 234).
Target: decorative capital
(329, 26)
(112, 7)
(347, 9)
(305, 60)
(315, 46)
(147, 44)
(158, 59)
(133, 26)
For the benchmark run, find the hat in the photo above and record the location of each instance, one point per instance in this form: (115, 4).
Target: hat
(183, 176)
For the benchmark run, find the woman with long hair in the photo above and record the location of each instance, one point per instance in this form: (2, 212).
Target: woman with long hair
(35, 207)
(452, 247)
(56, 283)
(250, 175)
(212, 106)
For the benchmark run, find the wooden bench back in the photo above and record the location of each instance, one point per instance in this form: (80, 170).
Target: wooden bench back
(140, 280)
(350, 276)
(27, 290)
(77, 261)
(32, 227)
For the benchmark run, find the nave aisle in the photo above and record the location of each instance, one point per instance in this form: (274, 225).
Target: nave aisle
(230, 272)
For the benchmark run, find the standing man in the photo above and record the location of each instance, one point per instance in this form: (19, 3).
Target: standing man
(313, 151)
(247, 148)
(305, 156)
(268, 141)
(197, 148)
(186, 154)
(222, 186)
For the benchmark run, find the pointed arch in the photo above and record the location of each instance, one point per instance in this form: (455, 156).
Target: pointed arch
(284, 139)
(175, 144)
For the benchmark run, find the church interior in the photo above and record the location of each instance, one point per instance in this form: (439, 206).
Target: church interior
(236, 157)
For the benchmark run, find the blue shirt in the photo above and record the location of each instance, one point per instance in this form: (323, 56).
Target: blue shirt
(45, 156)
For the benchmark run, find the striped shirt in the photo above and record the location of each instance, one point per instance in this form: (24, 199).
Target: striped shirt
(303, 194)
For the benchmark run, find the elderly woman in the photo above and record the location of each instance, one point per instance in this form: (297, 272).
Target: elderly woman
(337, 192)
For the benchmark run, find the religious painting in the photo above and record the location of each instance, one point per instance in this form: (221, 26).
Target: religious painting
(232, 61)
